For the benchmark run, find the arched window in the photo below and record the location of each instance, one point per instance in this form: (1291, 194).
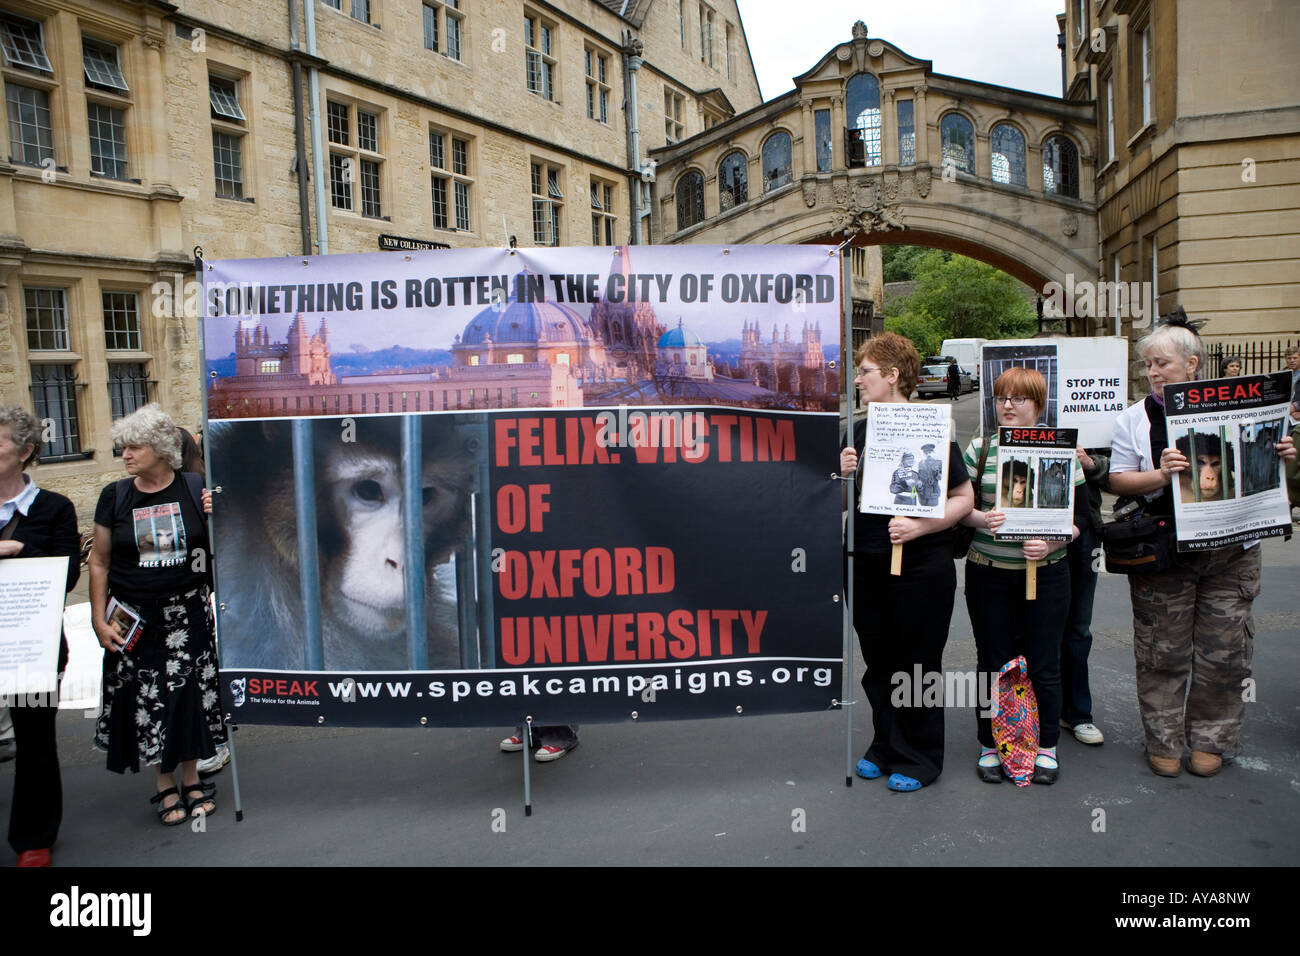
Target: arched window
(1061, 167)
(777, 168)
(958, 142)
(863, 135)
(690, 200)
(733, 181)
(1008, 155)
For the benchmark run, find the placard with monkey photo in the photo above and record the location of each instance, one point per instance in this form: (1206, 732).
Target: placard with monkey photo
(1231, 489)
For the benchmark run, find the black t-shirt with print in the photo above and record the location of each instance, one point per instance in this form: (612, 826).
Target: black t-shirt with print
(160, 542)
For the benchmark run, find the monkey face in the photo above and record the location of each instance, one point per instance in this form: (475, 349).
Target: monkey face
(1209, 471)
(1018, 490)
(1210, 468)
(364, 502)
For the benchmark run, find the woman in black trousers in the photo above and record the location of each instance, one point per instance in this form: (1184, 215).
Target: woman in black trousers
(36, 524)
(901, 620)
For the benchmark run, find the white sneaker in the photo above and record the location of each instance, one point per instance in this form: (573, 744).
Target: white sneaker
(214, 763)
(512, 745)
(551, 752)
(1088, 734)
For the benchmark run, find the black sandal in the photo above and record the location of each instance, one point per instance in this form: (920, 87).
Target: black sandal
(165, 811)
(207, 793)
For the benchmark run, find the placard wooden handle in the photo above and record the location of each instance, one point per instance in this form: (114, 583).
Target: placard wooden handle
(896, 560)
(1031, 580)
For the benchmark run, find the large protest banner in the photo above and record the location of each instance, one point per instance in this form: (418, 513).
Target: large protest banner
(1233, 489)
(610, 479)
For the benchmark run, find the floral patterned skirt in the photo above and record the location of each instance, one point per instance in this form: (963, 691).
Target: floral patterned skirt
(161, 703)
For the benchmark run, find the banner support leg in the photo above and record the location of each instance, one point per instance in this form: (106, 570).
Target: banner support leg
(234, 770)
(528, 753)
(846, 703)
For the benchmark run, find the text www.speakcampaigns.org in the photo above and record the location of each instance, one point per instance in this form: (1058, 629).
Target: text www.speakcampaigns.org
(527, 685)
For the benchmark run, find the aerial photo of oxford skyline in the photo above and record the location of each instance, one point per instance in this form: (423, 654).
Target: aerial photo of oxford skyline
(476, 329)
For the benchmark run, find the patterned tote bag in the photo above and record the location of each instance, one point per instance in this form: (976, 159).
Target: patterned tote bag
(1015, 725)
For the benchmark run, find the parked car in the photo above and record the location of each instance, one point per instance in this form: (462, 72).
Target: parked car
(934, 380)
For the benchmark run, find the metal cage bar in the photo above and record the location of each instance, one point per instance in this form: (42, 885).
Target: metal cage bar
(417, 645)
(304, 485)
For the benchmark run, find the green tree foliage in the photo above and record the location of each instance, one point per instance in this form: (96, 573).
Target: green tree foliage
(957, 298)
(925, 331)
(900, 262)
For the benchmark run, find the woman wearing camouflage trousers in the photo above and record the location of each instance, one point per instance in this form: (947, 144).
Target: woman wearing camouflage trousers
(1192, 622)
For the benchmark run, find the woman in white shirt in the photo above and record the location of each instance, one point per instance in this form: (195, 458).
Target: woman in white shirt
(1192, 622)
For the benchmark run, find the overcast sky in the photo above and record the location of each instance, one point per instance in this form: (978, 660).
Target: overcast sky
(1007, 42)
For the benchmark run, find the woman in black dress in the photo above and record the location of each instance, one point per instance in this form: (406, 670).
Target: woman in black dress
(160, 701)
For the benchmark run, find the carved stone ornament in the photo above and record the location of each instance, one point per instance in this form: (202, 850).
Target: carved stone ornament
(878, 217)
(1070, 224)
(840, 193)
(859, 30)
(810, 192)
(892, 189)
(923, 182)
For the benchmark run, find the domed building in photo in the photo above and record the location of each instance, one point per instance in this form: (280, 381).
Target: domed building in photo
(682, 355)
(523, 333)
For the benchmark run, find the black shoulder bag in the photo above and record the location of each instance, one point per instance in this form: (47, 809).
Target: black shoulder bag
(1138, 541)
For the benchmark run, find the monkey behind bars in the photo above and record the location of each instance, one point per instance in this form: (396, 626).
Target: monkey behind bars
(360, 541)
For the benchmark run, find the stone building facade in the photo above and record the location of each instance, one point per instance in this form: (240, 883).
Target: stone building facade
(137, 130)
(1198, 155)
(874, 147)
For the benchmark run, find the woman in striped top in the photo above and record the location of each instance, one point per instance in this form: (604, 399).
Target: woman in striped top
(1004, 622)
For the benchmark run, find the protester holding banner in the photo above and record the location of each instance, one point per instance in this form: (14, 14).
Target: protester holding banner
(901, 620)
(1192, 619)
(35, 523)
(160, 701)
(1005, 623)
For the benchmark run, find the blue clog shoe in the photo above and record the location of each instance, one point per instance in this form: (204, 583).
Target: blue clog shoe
(868, 770)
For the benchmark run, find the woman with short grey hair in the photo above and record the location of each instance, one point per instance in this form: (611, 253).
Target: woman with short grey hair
(1192, 621)
(34, 523)
(160, 698)
(152, 428)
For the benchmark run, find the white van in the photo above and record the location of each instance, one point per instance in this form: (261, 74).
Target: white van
(967, 354)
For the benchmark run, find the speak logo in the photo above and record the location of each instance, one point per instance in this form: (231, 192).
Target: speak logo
(1180, 401)
(237, 690)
